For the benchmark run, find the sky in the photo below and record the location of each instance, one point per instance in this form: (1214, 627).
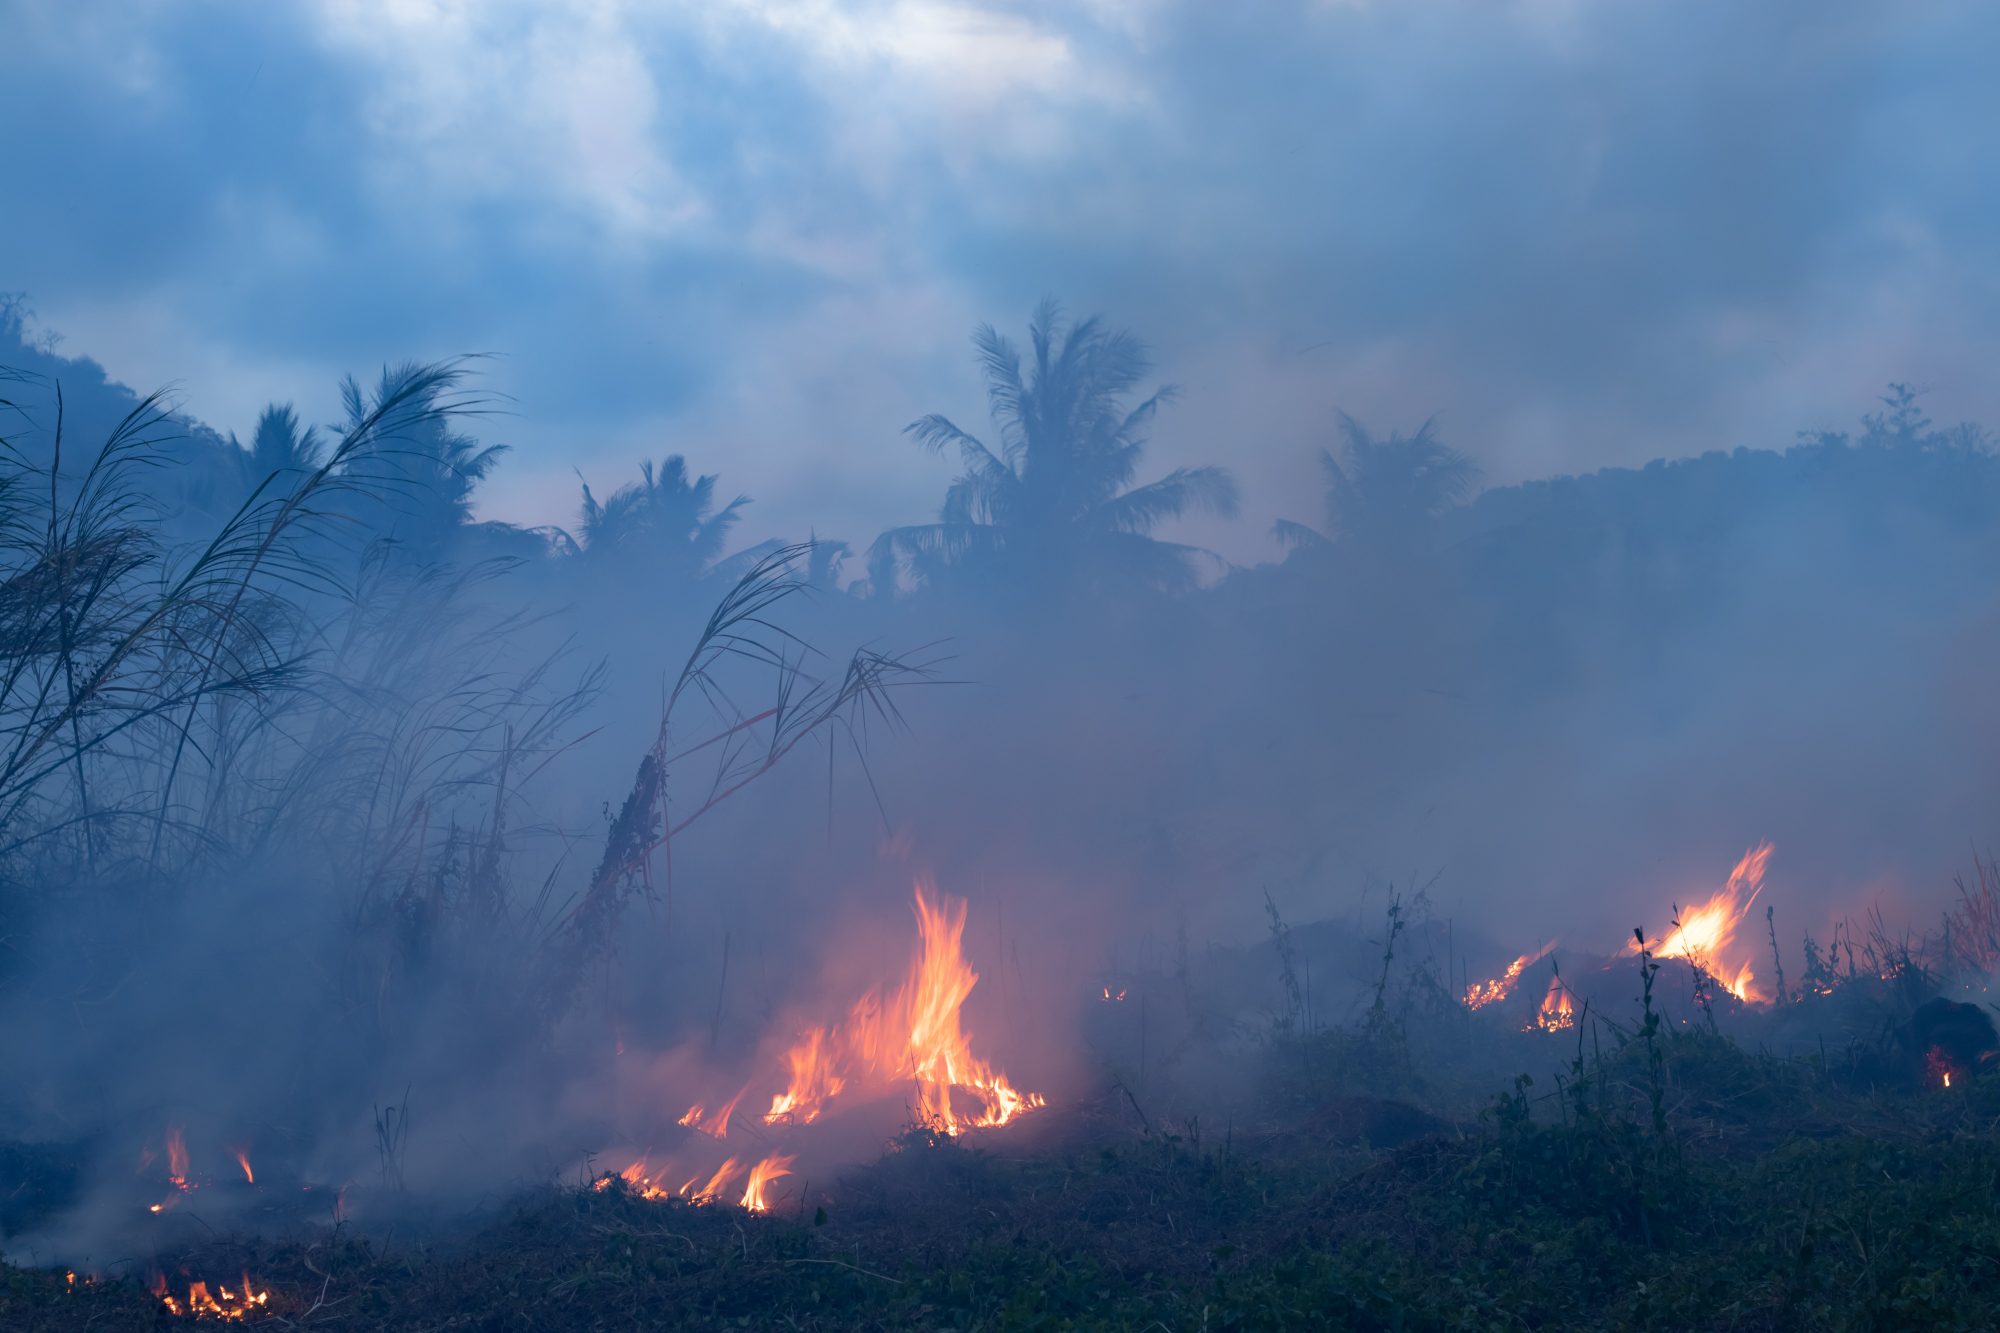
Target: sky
(1581, 233)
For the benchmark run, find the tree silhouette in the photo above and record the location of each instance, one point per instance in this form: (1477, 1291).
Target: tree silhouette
(281, 447)
(1055, 500)
(1386, 492)
(424, 470)
(666, 522)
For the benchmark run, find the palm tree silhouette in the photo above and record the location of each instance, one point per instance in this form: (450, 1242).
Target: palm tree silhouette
(424, 471)
(666, 523)
(1387, 492)
(1055, 501)
(280, 447)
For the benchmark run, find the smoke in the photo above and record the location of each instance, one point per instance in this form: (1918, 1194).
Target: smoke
(483, 856)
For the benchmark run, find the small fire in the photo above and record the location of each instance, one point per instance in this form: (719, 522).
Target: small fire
(910, 1035)
(177, 1169)
(1558, 1010)
(715, 1126)
(243, 1160)
(223, 1303)
(761, 1176)
(1938, 1064)
(1113, 998)
(1707, 931)
(657, 1183)
(1482, 993)
(177, 1157)
(813, 1083)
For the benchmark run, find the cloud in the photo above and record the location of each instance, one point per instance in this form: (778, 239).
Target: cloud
(760, 231)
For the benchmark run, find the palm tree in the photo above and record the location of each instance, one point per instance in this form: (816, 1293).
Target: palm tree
(281, 447)
(1055, 499)
(1387, 492)
(825, 560)
(666, 522)
(425, 471)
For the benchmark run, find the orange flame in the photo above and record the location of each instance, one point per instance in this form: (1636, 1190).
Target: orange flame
(223, 1303)
(813, 1082)
(177, 1157)
(654, 1183)
(1482, 993)
(911, 1035)
(1558, 1010)
(716, 1183)
(717, 1125)
(243, 1160)
(1711, 927)
(761, 1176)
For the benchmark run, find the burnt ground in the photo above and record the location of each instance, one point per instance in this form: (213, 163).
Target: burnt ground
(1763, 1193)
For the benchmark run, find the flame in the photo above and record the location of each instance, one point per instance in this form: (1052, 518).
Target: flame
(719, 1127)
(1707, 931)
(177, 1157)
(223, 1303)
(761, 1175)
(716, 1183)
(1938, 1062)
(1558, 1010)
(177, 1169)
(813, 1082)
(910, 1035)
(243, 1160)
(1113, 998)
(716, 1126)
(1483, 993)
(653, 1183)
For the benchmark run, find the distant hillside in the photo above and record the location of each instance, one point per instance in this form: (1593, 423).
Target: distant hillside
(205, 485)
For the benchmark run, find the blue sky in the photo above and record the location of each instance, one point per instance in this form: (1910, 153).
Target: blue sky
(758, 232)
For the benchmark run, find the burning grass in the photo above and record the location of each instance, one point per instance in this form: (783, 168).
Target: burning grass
(1816, 1207)
(1649, 1171)
(1365, 1173)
